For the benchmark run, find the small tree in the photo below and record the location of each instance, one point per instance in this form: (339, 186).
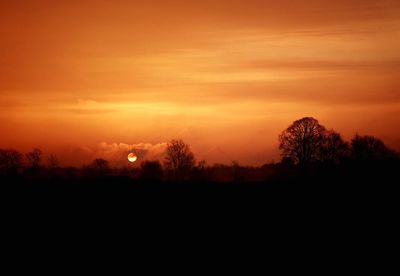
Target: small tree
(302, 140)
(179, 160)
(34, 158)
(10, 161)
(100, 166)
(52, 161)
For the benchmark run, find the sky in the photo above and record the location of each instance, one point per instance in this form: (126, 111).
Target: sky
(85, 79)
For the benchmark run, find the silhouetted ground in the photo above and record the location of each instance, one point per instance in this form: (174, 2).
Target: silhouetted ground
(324, 194)
(329, 191)
(329, 211)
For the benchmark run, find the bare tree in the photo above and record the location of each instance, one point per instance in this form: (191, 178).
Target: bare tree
(369, 148)
(34, 158)
(10, 160)
(100, 166)
(333, 149)
(179, 160)
(53, 161)
(302, 140)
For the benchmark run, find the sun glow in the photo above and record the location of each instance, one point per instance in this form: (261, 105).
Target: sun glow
(132, 157)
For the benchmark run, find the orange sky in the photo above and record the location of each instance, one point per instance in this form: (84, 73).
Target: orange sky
(226, 76)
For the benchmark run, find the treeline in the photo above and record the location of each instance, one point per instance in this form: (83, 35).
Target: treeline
(307, 142)
(308, 150)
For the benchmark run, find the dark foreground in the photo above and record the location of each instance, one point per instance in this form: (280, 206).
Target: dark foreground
(125, 195)
(349, 193)
(302, 214)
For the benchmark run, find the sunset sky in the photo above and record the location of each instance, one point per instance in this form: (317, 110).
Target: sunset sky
(85, 79)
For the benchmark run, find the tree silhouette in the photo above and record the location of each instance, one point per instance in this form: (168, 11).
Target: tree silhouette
(333, 148)
(34, 158)
(369, 148)
(236, 169)
(10, 160)
(99, 163)
(302, 140)
(100, 166)
(199, 172)
(179, 160)
(151, 171)
(52, 161)
(287, 162)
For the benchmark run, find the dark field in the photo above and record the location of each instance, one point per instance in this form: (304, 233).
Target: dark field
(331, 191)
(320, 211)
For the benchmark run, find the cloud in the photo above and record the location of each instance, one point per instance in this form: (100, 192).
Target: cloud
(116, 153)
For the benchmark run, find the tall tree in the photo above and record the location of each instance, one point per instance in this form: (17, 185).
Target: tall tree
(179, 160)
(302, 140)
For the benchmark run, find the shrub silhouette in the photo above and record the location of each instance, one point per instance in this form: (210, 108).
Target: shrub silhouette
(199, 172)
(151, 171)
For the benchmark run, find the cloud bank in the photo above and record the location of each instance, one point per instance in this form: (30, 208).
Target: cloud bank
(117, 153)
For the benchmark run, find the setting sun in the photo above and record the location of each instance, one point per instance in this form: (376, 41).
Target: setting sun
(132, 157)
(211, 100)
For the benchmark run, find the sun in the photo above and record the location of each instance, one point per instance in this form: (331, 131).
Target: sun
(132, 157)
